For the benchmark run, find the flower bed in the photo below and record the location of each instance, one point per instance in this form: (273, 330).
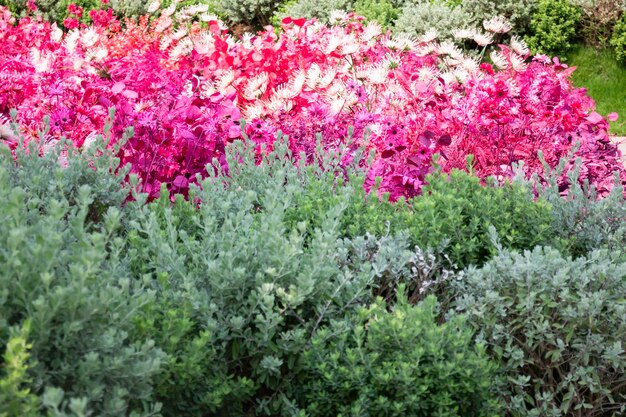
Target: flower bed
(184, 87)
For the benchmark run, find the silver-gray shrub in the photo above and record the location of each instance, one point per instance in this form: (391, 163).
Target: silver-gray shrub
(519, 12)
(62, 269)
(558, 327)
(417, 17)
(260, 287)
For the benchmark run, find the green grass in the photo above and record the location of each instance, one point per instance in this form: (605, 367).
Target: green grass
(605, 80)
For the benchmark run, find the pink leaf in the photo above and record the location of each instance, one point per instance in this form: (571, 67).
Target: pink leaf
(595, 118)
(612, 116)
(118, 87)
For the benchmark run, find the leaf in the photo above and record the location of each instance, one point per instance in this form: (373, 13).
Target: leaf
(445, 140)
(118, 87)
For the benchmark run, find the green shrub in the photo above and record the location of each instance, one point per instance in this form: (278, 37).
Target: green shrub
(66, 275)
(618, 41)
(398, 363)
(454, 212)
(246, 286)
(382, 11)
(255, 13)
(16, 399)
(553, 26)
(558, 327)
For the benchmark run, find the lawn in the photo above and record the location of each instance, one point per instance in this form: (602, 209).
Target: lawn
(605, 79)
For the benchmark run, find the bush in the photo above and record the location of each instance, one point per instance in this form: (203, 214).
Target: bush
(66, 275)
(518, 12)
(314, 9)
(598, 19)
(557, 325)
(582, 221)
(420, 16)
(397, 363)
(241, 287)
(618, 41)
(553, 26)
(255, 13)
(382, 11)
(454, 211)
(16, 399)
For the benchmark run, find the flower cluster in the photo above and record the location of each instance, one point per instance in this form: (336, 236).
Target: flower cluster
(185, 83)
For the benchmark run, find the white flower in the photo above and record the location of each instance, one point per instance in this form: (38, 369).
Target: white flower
(429, 36)
(497, 24)
(254, 111)
(89, 37)
(349, 49)
(337, 16)
(179, 34)
(153, 6)
(517, 62)
(372, 30)
(483, 39)
(256, 86)
(297, 83)
(378, 74)
(391, 62)
(71, 40)
(471, 64)
(184, 47)
(165, 42)
(427, 73)
(208, 17)
(405, 42)
(225, 80)
(163, 23)
(448, 48)
(56, 33)
(448, 77)
(96, 54)
(519, 46)
(167, 12)
(461, 74)
(499, 60)
(313, 75)
(464, 33)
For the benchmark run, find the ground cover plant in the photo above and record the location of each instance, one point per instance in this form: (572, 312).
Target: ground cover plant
(185, 89)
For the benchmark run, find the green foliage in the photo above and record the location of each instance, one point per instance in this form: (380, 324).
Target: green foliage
(382, 11)
(246, 285)
(319, 9)
(455, 212)
(398, 363)
(557, 325)
(581, 220)
(519, 12)
(16, 399)
(553, 26)
(618, 41)
(255, 13)
(67, 276)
